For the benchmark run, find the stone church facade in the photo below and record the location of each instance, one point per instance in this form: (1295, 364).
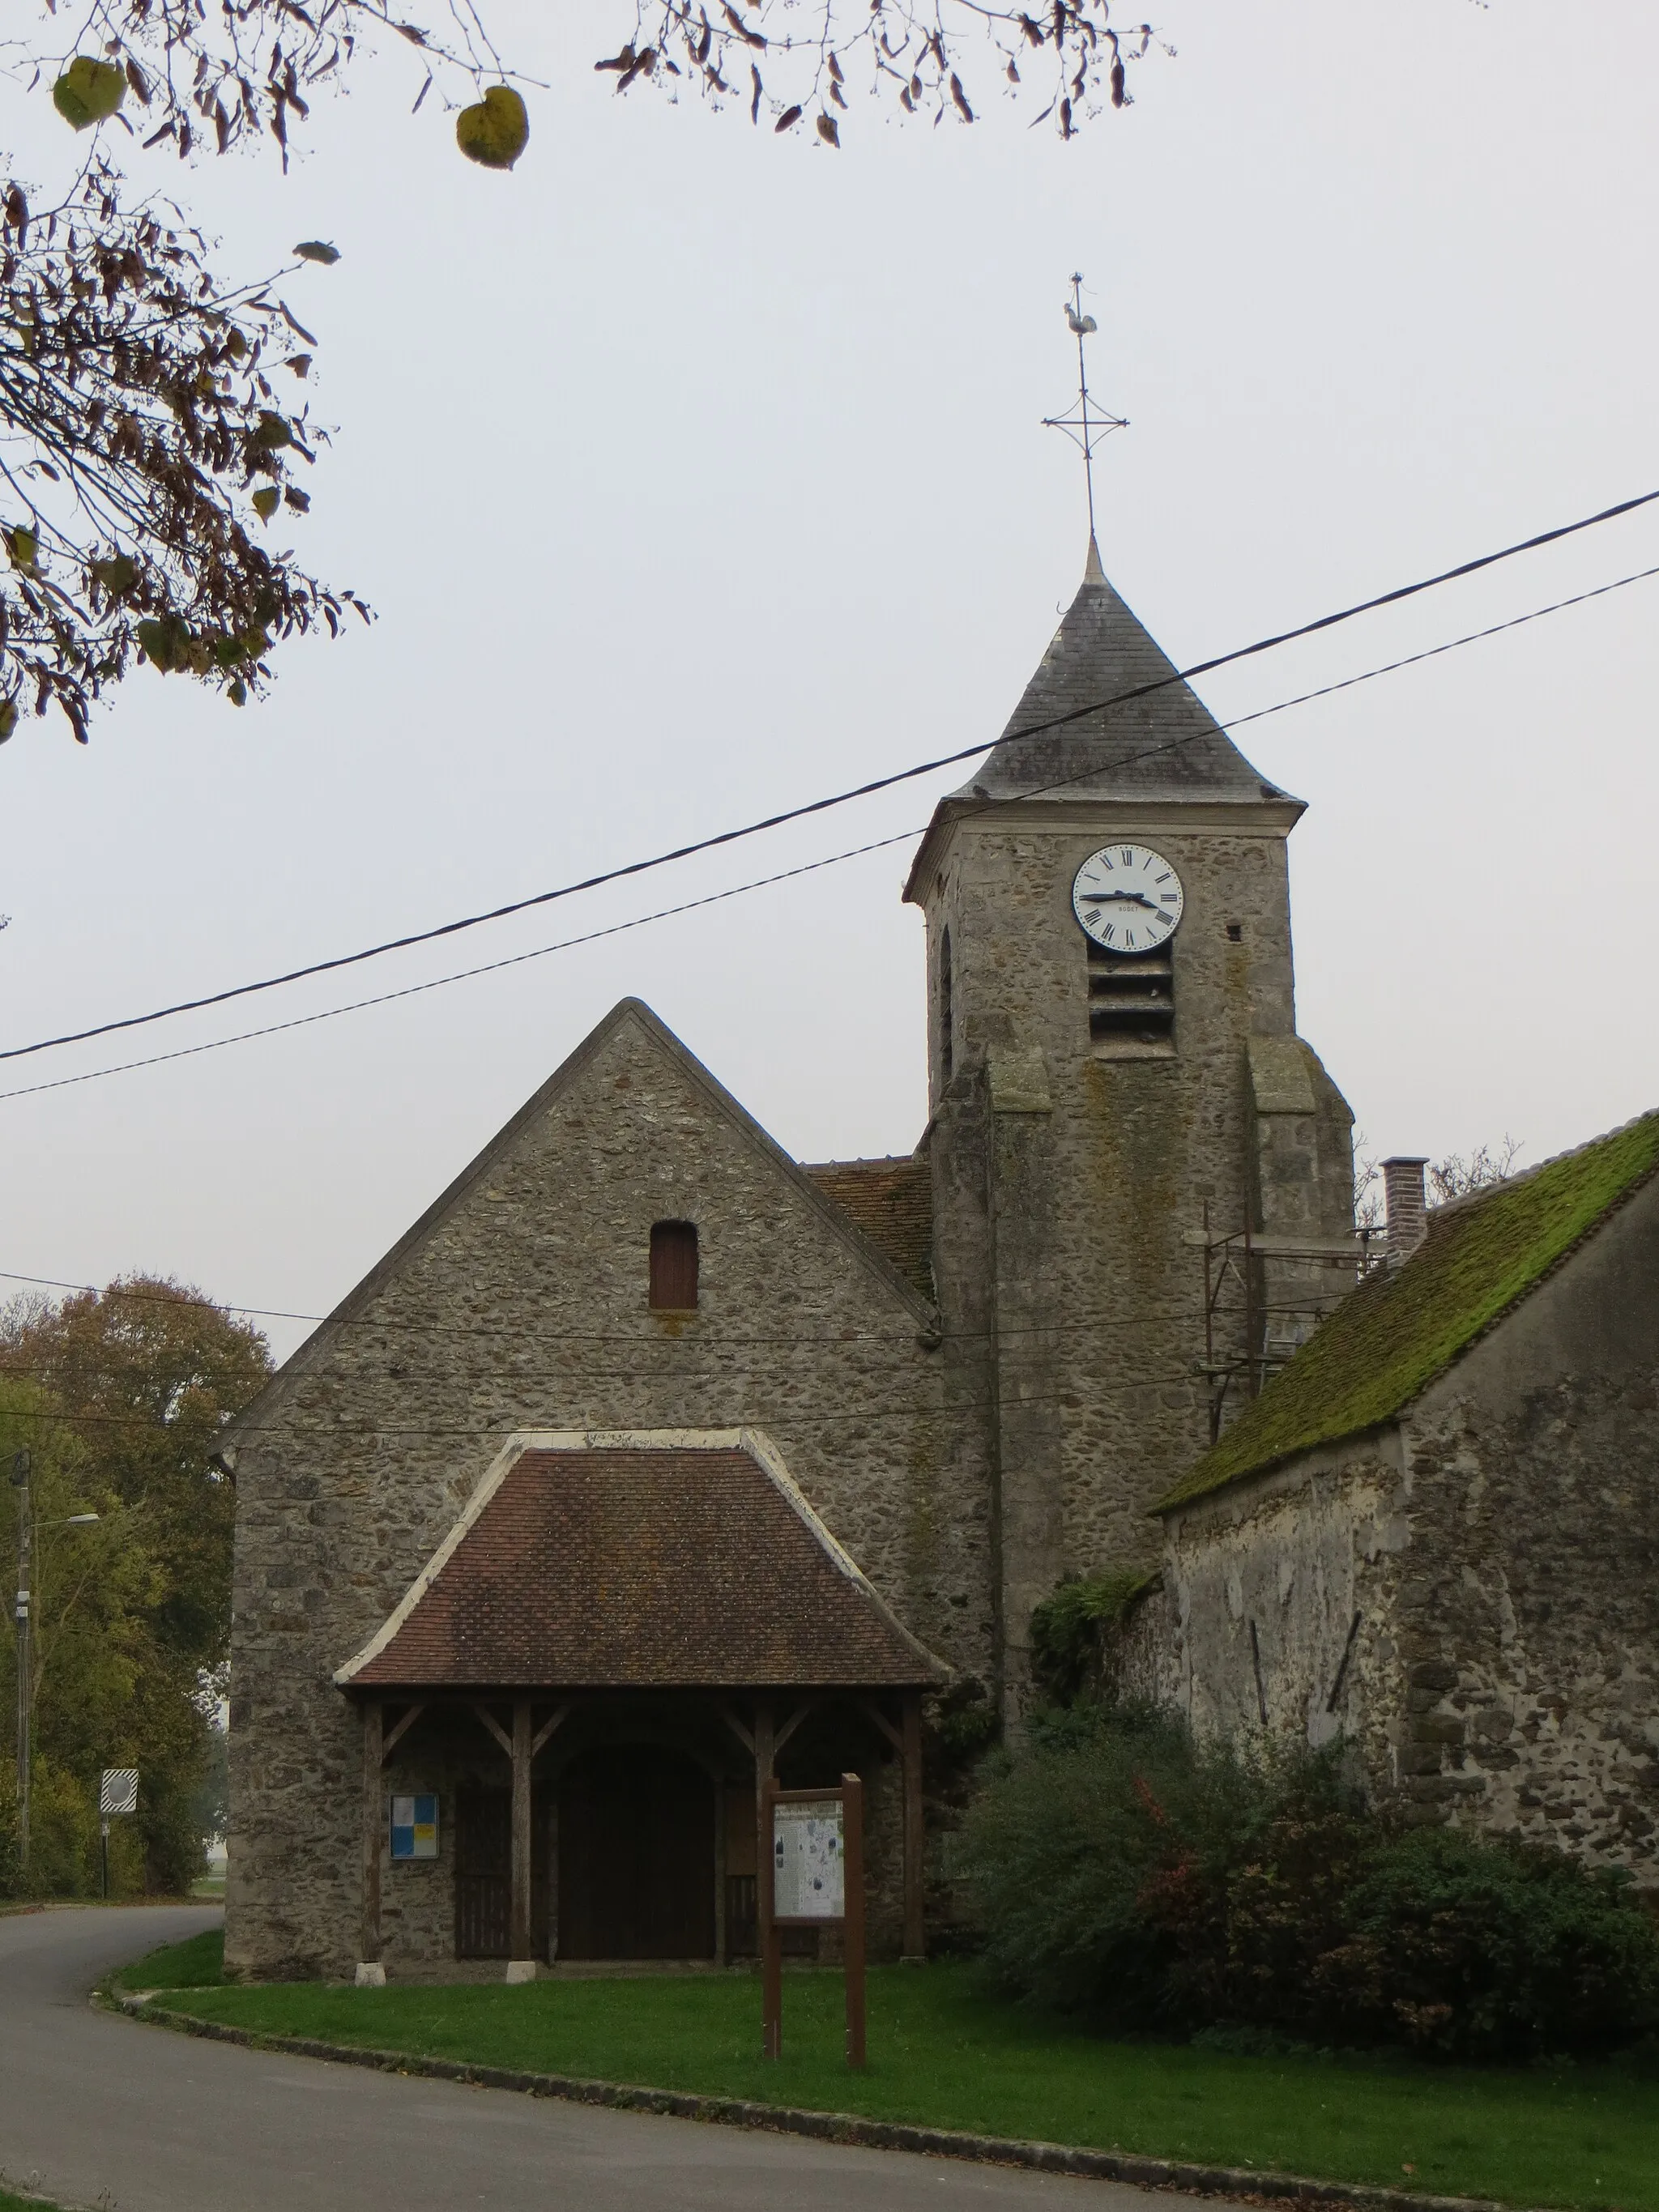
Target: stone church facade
(917, 1392)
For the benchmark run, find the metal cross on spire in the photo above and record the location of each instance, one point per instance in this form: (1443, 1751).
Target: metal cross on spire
(1086, 423)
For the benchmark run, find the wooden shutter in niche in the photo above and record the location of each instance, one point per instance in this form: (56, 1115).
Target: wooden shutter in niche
(674, 1266)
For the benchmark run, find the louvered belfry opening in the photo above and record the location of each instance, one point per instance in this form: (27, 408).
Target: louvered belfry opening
(1132, 998)
(673, 1266)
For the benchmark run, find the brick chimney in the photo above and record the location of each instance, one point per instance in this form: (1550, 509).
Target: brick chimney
(1405, 1204)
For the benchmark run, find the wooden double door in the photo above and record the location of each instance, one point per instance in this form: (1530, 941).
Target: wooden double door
(625, 1846)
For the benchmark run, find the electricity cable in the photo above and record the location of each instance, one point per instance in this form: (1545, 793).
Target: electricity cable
(761, 883)
(796, 1340)
(840, 798)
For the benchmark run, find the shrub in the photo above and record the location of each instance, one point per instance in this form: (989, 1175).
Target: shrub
(1115, 1867)
(1098, 1861)
(1070, 1629)
(1481, 1949)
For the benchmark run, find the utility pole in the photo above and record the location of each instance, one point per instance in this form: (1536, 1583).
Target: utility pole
(21, 1468)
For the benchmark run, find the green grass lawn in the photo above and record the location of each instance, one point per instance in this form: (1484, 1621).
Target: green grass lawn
(945, 2053)
(197, 1963)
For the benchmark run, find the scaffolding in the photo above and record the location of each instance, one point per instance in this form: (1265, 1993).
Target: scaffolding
(1241, 1260)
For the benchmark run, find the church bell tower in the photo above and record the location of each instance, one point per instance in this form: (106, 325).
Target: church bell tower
(1115, 1085)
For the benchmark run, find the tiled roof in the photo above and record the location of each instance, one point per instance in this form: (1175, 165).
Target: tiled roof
(1165, 745)
(1384, 1344)
(892, 1201)
(640, 1566)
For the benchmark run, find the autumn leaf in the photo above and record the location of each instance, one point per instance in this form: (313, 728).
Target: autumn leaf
(89, 91)
(496, 130)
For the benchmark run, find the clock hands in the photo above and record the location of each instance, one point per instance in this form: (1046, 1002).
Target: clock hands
(1121, 898)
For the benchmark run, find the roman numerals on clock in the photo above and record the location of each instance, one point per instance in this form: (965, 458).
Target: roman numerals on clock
(1128, 898)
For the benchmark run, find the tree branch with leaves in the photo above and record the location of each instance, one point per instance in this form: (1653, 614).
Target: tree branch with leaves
(149, 437)
(144, 447)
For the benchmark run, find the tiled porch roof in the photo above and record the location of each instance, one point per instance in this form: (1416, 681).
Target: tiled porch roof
(674, 1560)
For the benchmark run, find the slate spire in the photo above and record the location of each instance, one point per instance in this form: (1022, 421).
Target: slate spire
(1165, 745)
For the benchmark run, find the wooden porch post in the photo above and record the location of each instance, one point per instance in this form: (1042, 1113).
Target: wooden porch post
(767, 1939)
(916, 1941)
(765, 1760)
(370, 1971)
(521, 1966)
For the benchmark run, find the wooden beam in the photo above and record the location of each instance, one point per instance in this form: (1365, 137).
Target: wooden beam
(394, 1736)
(744, 1735)
(764, 1761)
(916, 1939)
(852, 1926)
(494, 1728)
(792, 1724)
(720, 1871)
(521, 1750)
(872, 1711)
(550, 1727)
(373, 1721)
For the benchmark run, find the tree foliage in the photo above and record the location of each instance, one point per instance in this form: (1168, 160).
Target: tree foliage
(144, 449)
(118, 1397)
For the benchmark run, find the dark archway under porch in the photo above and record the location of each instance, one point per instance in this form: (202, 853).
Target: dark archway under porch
(591, 1827)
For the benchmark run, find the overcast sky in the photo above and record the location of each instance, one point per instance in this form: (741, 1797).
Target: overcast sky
(694, 472)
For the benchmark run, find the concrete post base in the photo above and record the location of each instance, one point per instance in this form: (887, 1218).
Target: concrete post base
(521, 1970)
(370, 1975)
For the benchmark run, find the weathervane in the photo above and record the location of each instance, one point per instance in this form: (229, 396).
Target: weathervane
(1085, 423)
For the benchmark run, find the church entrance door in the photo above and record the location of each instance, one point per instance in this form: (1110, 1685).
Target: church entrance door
(636, 1856)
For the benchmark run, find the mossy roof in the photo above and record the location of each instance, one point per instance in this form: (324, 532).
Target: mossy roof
(1384, 1346)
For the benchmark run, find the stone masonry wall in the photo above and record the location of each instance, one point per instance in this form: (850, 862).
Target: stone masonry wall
(1097, 1166)
(520, 1301)
(1499, 1549)
(1253, 1633)
(1532, 1616)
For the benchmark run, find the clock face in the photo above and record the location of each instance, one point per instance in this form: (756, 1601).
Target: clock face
(1128, 898)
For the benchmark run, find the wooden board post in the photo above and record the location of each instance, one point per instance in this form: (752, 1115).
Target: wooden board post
(852, 1926)
(374, 1731)
(522, 1756)
(771, 1938)
(847, 1797)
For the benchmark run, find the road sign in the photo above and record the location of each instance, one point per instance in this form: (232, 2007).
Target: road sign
(117, 1792)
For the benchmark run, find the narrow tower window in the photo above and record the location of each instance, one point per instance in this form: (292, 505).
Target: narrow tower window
(945, 1008)
(673, 1266)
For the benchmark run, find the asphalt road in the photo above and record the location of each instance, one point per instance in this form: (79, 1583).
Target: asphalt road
(99, 2111)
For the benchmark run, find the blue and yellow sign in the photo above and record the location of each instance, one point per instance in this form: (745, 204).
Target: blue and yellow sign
(414, 1827)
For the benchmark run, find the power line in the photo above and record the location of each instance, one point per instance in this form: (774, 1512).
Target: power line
(438, 982)
(1087, 1324)
(840, 798)
(759, 883)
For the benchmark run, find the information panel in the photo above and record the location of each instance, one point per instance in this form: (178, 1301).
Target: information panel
(414, 1827)
(808, 1876)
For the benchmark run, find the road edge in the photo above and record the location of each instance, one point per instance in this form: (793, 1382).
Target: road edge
(849, 2127)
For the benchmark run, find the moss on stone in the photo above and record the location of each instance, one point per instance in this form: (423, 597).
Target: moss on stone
(1387, 1343)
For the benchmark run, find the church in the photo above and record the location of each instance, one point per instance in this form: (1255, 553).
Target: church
(651, 1463)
